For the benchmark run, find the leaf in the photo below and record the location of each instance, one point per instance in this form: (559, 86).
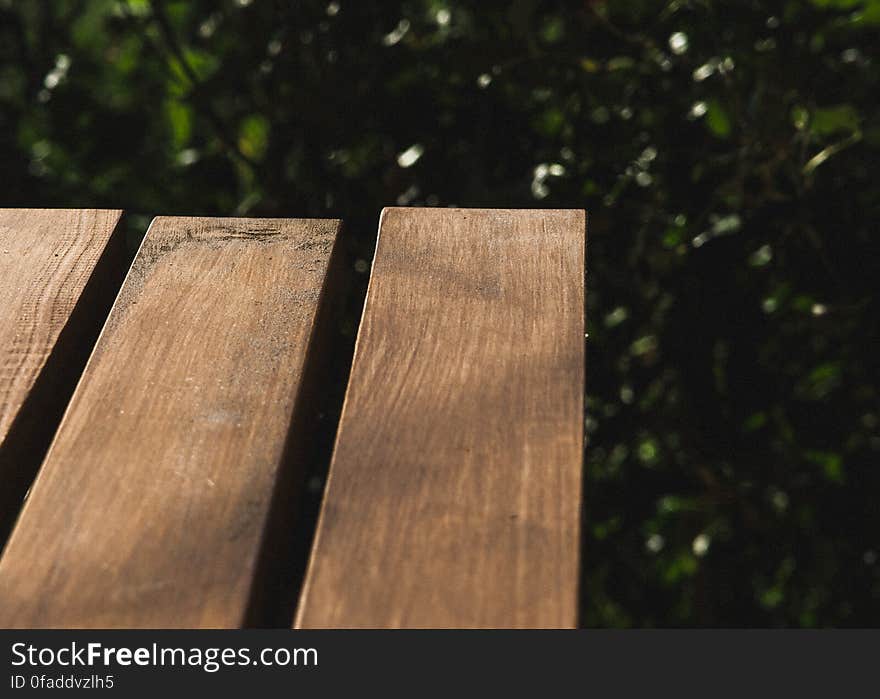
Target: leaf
(621, 63)
(553, 30)
(837, 4)
(551, 121)
(831, 463)
(717, 120)
(180, 119)
(254, 136)
(800, 117)
(755, 421)
(871, 14)
(830, 120)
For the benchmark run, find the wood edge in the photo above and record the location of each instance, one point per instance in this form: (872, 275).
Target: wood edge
(224, 225)
(580, 587)
(66, 209)
(476, 209)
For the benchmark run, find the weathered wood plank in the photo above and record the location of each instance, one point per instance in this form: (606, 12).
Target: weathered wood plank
(59, 272)
(454, 491)
(154, 504)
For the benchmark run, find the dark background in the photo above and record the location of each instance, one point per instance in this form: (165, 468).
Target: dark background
(725, 151)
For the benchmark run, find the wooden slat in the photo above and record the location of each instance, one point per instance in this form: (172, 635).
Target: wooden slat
(454, 490)
(59, 272)
(152, 507)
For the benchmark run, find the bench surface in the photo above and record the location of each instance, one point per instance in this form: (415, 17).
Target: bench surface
(454, 490)
(151, 505)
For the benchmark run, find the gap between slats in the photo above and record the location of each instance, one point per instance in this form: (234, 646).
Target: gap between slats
(299, 492)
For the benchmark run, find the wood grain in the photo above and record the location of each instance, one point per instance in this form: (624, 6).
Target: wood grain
(59, 272)
(455, 486)
(152, 507)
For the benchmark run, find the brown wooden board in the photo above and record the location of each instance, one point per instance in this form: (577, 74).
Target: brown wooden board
(154, 504)
(59, 272)
(455, 486)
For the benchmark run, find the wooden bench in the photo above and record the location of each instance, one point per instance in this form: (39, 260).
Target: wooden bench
(171, 493)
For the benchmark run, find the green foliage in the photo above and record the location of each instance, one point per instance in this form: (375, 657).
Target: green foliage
(717, 119)
(832, 120)
(726, 153)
